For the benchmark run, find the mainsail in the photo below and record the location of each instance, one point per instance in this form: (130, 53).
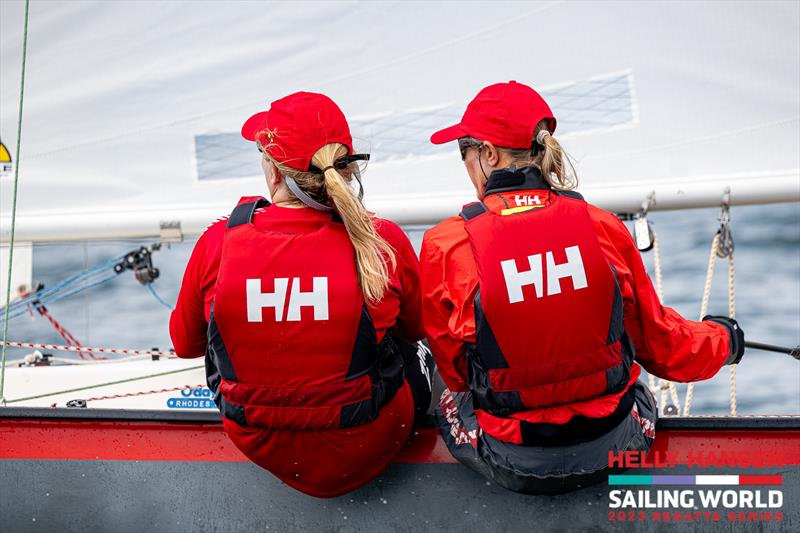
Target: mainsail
(132, 109)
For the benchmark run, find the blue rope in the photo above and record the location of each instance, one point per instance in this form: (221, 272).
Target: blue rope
(25, 309)
(69, 286)
(158, 298)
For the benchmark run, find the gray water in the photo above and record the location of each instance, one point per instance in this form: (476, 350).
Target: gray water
(122, 314)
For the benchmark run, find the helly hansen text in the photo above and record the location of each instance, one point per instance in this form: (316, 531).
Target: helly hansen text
(516, 280)
(257, 300)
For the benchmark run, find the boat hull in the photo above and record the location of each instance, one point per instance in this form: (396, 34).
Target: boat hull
(104, 470)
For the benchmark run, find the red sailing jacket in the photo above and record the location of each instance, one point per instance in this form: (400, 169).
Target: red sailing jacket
(310, 382)
(551, 387)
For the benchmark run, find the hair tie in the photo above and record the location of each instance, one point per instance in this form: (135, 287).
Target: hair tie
(541, 135)
(324, 170)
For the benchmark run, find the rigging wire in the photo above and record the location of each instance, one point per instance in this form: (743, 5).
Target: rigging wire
(14, 205)
(158, 298)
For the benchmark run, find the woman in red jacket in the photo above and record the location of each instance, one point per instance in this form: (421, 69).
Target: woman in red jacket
(307, 310)
(535, 304)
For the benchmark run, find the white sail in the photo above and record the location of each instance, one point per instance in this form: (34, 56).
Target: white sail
(132, 110)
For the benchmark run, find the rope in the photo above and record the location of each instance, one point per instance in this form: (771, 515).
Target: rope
(69, 286)
(663, 384)
(141, 393)
(97, 386)
(651, 379)
(79, 362)
(14, 204)
(703, 311)
(62, 348)
(158, 298)
(66, 335)
(732, 313)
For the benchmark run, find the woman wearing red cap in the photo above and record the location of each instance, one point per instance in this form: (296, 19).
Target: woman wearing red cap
(308, 311)
(535, 304)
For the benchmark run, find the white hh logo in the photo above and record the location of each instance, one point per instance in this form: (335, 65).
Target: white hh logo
(257, 300)
(527, 200)
(515, 280)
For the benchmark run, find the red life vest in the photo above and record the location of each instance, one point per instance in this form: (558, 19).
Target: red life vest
(548, 311)
(291, 344)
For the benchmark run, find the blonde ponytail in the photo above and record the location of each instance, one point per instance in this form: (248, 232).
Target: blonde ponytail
(553, 162)
(551, 159)
(373, 254)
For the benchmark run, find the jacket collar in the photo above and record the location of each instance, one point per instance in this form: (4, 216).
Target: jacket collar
(514, 179)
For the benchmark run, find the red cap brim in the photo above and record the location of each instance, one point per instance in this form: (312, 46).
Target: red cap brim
(449, 134)
(253, 125)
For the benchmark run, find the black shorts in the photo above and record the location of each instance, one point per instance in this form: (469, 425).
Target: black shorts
(542, 469)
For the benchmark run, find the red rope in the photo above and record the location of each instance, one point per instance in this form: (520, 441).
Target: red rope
(62, 348)
(66, 335)
(141, 393)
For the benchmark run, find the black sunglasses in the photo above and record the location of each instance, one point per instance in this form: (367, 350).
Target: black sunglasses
(342, 162)
(465, 143)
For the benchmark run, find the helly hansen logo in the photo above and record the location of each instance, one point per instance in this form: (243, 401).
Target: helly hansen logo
(257, 300)
(516, 280)
(527, 199)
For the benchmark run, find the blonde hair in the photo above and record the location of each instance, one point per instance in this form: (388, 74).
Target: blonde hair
(373, 253)
(552, 160)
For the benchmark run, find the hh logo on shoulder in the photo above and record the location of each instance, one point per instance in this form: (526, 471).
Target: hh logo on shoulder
(258, 300)
(516, 280)
(528, 200)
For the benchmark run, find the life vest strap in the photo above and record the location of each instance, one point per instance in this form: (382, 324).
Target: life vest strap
(472, 210)
(243, 213)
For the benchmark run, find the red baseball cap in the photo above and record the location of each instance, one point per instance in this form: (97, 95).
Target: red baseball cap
(505, 114)
(296, 126)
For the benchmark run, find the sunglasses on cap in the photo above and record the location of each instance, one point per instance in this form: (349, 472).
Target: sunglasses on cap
(465, 143)
(340, 164)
